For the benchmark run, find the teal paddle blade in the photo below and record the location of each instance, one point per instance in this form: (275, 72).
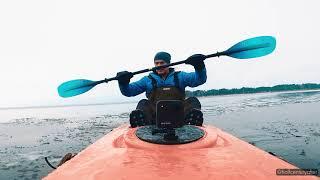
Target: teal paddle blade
(75, 87)
(252, 48)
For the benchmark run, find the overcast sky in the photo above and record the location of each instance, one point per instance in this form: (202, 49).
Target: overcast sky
(44, 43)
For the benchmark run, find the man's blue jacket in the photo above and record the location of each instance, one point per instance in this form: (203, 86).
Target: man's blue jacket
(192, 79)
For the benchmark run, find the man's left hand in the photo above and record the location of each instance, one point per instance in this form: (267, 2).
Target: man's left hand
(196, 61)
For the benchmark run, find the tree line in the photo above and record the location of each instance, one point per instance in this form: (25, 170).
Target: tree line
(247, 90)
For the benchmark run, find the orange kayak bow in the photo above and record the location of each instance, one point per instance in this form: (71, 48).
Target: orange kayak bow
(121, 155)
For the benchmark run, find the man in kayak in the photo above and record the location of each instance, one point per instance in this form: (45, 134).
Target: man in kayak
(165, 84)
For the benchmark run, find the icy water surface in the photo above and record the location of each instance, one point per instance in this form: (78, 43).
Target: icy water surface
(285, 123)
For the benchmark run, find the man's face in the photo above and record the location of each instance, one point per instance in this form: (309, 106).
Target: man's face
(162, 71)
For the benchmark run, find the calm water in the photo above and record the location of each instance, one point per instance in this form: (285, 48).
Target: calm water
(286, 124)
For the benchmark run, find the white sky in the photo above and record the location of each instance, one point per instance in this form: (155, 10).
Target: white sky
(44, 43)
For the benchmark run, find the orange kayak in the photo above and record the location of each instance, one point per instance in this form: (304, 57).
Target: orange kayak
(121, 155)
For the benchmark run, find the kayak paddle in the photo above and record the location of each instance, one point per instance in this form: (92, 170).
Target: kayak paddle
(249, 48)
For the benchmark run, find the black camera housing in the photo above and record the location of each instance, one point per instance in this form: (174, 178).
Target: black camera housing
(169, 114)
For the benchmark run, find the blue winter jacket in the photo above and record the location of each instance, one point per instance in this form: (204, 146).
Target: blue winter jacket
(192, 79)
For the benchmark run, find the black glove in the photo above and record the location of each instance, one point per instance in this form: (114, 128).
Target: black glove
(196, 61)
(124, 77)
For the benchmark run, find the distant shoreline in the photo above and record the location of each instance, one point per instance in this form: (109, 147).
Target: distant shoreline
(202, 93)
(248, 90)
(292, 91)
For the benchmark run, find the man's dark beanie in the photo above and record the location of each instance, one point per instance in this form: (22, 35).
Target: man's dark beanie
(163, 56)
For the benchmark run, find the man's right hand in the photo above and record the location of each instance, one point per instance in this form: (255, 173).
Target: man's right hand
(124, 77)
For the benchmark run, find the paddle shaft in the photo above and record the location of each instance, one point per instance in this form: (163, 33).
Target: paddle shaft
(223, 53)
(106, 80)
(159, 67)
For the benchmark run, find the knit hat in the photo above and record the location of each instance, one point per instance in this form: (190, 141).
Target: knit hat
(163, 56)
